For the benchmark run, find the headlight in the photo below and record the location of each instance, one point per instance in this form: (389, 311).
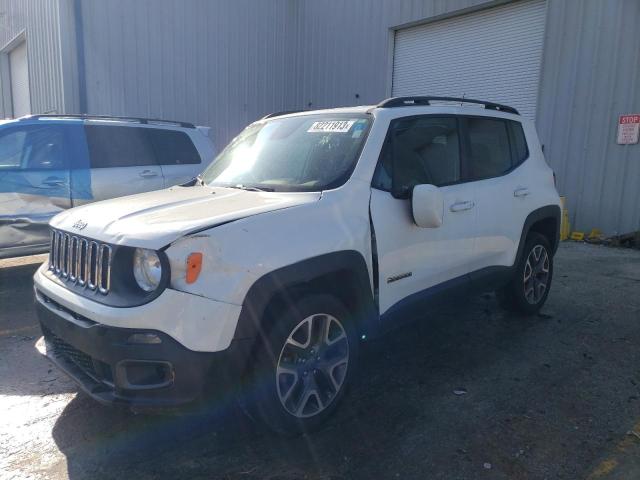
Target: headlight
(147, 269)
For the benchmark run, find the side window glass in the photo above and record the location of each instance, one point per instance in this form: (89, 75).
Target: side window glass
(489, 149)
(33, 147)
(173, 147)
(519, 143)
(382, 178)
(419, 150)
(115, 146)
(11, 149)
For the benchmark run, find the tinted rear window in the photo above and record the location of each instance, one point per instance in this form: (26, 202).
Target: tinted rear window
(490, 151)
(519, 142)
(113, 146)
(173, 147)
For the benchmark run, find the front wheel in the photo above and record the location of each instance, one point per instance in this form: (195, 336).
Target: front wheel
(305, 365)
(528, 289)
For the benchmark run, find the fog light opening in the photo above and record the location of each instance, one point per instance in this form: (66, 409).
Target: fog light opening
(143, 374)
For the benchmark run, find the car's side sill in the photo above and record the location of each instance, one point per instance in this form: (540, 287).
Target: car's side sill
(419, 304)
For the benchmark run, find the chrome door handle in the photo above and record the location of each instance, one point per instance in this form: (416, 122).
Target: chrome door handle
(521, 192)
(461, 206)
(54, 182)
(148, 174)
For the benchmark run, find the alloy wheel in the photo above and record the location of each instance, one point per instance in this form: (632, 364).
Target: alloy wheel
(536, 274)
(312, 365)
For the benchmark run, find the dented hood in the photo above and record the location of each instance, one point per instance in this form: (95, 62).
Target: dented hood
(155, 219)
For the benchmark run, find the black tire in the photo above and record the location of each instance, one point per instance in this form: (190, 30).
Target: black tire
(515, 296)
(267, 384)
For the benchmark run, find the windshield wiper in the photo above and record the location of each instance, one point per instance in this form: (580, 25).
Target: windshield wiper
(195, 181)
(251, 188)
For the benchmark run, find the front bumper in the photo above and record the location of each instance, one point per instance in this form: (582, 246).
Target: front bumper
(113, 370)
(198, 323)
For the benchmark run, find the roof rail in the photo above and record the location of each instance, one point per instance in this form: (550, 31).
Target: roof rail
(279, 114)
(421, 101)
(110, 117)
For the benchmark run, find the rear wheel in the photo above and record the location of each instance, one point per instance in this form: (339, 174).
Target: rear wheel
(303, 368)
(528, 289)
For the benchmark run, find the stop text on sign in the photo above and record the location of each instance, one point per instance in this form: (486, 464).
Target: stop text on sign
(628, 129)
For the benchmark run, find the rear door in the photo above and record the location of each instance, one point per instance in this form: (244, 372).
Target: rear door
(497, 150)
(122, 161)
(178, 157)
(34, 184)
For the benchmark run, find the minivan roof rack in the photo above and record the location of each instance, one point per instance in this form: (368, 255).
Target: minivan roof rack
(422, 101)
(83, 116)
(279, 114)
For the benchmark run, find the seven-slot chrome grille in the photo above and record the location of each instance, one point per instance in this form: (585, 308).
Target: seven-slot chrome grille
(81, 261)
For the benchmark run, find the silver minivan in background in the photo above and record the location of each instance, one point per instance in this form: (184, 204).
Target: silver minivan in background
(49, 163)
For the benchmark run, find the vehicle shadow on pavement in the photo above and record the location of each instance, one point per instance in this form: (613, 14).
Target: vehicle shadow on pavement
(23, 371)
(402, 384)
(17, 310)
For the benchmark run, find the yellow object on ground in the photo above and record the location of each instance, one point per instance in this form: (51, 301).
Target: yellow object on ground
(564, 222)
(577, 236)
(595, 233)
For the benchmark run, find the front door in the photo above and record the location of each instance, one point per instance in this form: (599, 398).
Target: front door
(411, 260)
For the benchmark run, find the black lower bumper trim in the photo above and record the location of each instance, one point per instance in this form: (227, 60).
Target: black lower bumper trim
(95, 356)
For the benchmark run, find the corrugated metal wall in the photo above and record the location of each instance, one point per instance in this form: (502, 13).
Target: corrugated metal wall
(590, 75)
(216, 63)
(41, 21)
(225, 63)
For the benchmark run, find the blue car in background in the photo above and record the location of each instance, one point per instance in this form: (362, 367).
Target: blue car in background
(49, 163)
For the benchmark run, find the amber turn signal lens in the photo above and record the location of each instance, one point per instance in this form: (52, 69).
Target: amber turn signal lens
(194, 265)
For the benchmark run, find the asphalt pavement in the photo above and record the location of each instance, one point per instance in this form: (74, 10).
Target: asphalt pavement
(471, 392)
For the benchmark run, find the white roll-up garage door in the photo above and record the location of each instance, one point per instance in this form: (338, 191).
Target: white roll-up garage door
(493, 54)
(19, 72)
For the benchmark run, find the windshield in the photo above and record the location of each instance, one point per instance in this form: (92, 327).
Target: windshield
(302, 153)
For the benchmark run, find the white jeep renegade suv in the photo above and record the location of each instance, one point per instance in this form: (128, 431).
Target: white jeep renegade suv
(310, 232)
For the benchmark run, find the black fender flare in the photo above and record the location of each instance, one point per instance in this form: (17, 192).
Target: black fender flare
(349, 263)
(543, 213)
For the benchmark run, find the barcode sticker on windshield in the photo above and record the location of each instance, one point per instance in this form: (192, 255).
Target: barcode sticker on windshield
(333, 126)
